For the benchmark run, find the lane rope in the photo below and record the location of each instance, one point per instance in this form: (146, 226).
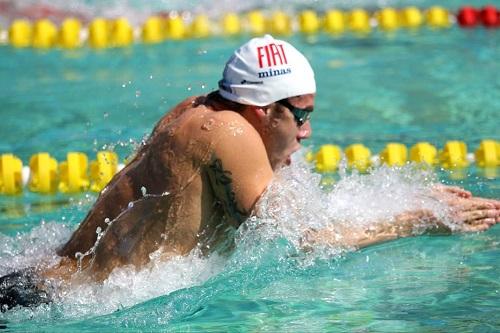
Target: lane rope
(119, 32)
(75, 174)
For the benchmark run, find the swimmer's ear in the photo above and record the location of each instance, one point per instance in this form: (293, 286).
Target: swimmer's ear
(261, 111)
(257, 114)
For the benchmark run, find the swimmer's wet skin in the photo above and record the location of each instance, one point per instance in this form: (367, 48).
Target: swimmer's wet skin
(215, 156)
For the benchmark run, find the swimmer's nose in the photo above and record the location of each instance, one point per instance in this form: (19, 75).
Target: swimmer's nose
(305, 131)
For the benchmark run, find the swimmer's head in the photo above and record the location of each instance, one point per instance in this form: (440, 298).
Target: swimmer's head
(266, 70)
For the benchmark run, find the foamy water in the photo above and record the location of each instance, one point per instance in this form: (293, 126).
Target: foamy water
(292, 204)
(30, 249)
(295, 203)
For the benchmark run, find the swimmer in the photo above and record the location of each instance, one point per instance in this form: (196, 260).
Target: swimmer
(206, 164)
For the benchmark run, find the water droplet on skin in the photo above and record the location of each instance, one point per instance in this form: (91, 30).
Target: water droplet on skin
(207, 126)
(155, 255)
(107, 220)
(130, 204)
(144, 191)
(171, 132)
(235, 129)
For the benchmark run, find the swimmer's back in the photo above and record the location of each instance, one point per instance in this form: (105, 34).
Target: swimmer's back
(127, 185)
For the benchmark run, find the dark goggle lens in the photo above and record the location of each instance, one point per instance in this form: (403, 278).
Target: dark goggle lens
(301, 116)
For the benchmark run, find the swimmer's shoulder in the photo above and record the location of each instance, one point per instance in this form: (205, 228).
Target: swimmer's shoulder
(226, 126)
(233, 154)
(186, 107)
(177, 111)
(227, 132)
(239, 168)
(190, 103)
(233, 136)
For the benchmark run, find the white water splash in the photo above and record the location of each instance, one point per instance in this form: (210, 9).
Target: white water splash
(294, 203)
(126, 286)
(33, 248)
(382, 194)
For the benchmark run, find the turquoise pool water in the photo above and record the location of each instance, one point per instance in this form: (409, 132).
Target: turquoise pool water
(406, 87)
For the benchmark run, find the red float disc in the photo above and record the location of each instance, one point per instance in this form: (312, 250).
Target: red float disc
(467, 16)
(490, 17)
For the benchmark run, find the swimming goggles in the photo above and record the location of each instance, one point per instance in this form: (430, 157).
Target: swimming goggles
(301, 116)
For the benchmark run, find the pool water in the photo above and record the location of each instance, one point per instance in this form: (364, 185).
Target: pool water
(426, 85)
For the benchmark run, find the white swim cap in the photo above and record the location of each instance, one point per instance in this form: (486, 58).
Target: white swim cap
(266, 70)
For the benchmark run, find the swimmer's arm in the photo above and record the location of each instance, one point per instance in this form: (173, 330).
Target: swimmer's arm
(352, 236)
(239, 170)
(467, 214)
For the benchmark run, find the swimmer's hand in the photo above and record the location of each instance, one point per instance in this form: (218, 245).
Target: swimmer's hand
(455, 190)
(468, 213)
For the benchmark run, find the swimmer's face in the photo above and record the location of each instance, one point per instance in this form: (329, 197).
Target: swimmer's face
(287, 124)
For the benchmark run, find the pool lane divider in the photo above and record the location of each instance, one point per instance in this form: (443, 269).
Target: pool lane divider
(75, 175)
(45, 175)
(452, 156)
(119, 32)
